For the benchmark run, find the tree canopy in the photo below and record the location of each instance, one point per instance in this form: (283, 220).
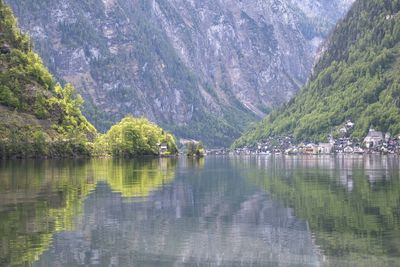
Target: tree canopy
(357, 78)
(134, 137)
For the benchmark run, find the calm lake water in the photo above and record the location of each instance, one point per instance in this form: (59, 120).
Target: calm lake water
(218, 211)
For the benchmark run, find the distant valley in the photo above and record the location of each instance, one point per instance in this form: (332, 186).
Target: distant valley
(204, 70)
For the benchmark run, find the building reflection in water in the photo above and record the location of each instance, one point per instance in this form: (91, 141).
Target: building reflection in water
(376, 168)
(351, 202)
(218, 211)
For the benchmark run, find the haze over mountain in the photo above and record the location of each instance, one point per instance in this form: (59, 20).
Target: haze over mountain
(357, 79)
(203, 69)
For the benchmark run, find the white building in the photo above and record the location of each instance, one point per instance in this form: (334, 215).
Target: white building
(343, 130)
(373, 139)
(348, 150)
(325, 148)
(163, 148)
(349, 124)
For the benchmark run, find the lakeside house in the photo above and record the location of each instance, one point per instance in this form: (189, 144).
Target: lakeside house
(348, 150)
(310, 149)
(343, 130)
(358, 150)
(325, 148)
(374, 142)
(350, 124)
(163, 148)
(373, 139)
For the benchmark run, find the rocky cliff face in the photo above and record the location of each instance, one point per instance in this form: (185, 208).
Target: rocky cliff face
(202, 69)
(356, 78)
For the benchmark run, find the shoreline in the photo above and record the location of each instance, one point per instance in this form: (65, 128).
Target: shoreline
(179, 157)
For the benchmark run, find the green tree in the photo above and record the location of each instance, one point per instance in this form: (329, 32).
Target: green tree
(133, 137)
(357, 77)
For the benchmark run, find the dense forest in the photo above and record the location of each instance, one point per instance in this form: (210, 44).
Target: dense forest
(40, 118)
(356, 78)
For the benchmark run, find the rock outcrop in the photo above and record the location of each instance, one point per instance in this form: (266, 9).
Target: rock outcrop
(202, 69)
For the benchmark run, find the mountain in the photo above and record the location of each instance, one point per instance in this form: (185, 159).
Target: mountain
(202, 69)
(357, 78)
(37, 116)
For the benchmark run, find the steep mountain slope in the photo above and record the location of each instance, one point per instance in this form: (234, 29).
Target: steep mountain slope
(37, 116)
(357, 78)
(202, 69)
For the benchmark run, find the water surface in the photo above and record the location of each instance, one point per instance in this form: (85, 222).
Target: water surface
(218, 211)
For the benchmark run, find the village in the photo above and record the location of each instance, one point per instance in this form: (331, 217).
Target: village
(375, 142)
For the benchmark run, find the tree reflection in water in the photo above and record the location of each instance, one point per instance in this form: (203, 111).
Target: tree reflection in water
(352, 203)
(223, 211)
(41, 198)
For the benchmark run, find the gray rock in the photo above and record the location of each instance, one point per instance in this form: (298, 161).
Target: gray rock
(203, 69)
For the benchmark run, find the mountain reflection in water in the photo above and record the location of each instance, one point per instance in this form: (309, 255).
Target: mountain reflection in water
(351, 202)
(218, 211)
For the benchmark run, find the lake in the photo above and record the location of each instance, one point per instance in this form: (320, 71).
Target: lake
(217, 211)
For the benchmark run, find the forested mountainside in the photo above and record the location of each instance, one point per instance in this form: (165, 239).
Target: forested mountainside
(37, 116)
(202, 69)
(357, 79)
